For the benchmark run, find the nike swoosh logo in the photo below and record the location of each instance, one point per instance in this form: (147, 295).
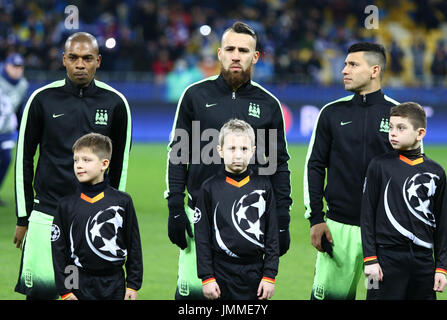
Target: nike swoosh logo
(175, 217)
(210, 105)
(345, 123)
(57, 115)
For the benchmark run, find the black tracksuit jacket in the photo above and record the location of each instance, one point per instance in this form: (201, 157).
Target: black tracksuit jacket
(54, 117)
(213, 102)
(236, 222)
(405, 201)
(86, 221)
(349, 132)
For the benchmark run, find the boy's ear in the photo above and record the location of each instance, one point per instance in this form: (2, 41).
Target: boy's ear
(105, 164)
(421, 134)
(253, 150)
(220, 151)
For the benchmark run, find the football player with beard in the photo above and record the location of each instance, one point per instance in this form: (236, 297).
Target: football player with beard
(404, 215)
(210, 103)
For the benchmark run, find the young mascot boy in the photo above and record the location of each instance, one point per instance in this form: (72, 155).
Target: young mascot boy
(236, 233)
(96, 231)
(404, 212)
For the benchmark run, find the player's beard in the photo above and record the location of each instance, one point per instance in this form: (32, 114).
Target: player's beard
(236, 79)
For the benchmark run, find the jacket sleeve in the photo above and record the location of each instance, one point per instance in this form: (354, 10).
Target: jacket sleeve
(371, 196)
(30, 134)
(203, 236)
(121, 135)
(271, 242)
(281, 178)
(317, 160)
(61, 249)
(134, 262)
(440, 209)
(179, 153)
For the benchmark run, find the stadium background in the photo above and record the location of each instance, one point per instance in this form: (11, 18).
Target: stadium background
(153, 49)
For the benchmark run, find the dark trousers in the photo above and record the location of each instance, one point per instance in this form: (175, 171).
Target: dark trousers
(237, 281)
(101, 287)
(408, 274)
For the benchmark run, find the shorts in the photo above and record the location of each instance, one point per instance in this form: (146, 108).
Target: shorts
(36, 275)
(337, 278)
(408, 274)
(101, 286)
(189, 286)
(236, 280)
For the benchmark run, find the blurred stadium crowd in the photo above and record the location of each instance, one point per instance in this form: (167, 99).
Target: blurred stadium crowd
(300, 41)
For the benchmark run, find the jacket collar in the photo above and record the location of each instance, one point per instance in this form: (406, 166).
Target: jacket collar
(80, 92)
(369, 98)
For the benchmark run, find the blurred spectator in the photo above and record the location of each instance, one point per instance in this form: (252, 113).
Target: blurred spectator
(13, 90)
(397, 56)
(179, 78)
(418, 51)
(162, 65)
(439, 64)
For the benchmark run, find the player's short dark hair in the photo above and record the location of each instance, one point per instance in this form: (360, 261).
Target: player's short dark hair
(99, 144)
(241, 27)
(236, 126)
(374, 53)
(411, 110)
(82, 37)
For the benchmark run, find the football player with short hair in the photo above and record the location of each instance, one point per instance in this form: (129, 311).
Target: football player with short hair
(210, 103)
(236, 232)
(53, 118)
(96, 231)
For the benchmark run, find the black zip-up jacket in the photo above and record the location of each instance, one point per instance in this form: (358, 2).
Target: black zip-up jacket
(405, 201)
(213, 102)
(349, 132)
(54, 117)
(237, 222)
(97, 231)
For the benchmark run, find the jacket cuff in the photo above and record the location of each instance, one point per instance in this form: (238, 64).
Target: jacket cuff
(268, 279)
(208, 280)
(176, 201)
(316, 218)
(370, 260)
(441, 270)
(65, 296)
(22, 221)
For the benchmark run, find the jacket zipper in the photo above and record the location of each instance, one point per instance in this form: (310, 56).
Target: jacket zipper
(364, 165)
(234, 95)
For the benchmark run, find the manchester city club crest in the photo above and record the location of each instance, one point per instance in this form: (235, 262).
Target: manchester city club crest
(101, 234)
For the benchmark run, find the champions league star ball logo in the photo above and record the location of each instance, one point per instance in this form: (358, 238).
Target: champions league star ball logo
(55, 232)
(246, 215)
(102, 234)
(417, 193)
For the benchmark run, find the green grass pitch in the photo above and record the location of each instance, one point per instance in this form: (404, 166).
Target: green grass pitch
(146, 183)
